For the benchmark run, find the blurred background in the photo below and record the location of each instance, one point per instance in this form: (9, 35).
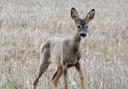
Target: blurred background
(25, 24)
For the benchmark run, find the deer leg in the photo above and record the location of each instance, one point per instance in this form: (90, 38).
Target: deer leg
(78, 68)
(57, 76)
(54, 75)
(65, 79)
(43, 67)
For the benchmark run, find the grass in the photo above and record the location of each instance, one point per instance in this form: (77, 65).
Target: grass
(6, 83)
(25, 24)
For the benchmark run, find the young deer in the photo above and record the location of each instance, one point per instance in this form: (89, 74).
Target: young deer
(65, 52)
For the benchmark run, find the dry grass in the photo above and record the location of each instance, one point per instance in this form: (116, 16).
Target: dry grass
(25, 24)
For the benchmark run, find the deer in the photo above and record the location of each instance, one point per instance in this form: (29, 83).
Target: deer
(65, 52)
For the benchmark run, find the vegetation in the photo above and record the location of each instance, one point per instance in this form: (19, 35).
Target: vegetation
(25, 24)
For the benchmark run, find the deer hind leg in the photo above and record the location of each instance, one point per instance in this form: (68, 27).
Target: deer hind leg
(43, 67)
(65, 79)
(78, 68)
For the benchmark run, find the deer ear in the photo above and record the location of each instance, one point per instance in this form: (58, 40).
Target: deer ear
(90, 15)
(74, 14)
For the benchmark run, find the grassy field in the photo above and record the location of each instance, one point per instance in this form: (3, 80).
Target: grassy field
(25, 24)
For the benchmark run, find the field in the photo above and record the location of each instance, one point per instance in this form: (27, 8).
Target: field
(25, 24)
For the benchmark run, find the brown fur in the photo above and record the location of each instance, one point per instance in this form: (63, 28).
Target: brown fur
(64, 52)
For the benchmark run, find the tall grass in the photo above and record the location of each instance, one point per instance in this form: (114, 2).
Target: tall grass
(25, 24)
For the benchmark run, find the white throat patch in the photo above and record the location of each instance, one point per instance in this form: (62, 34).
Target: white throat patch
(83, 40)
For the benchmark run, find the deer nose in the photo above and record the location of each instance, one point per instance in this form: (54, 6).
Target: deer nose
(83, 34)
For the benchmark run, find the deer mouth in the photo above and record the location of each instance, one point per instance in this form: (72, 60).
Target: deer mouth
(83, 34)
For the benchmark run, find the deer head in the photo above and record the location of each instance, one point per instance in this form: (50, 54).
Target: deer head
(82, 24)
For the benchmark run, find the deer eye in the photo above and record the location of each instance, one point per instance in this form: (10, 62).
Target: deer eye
(78, 26)
(86, 26)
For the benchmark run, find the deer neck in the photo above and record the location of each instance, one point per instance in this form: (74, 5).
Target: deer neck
(76, 40)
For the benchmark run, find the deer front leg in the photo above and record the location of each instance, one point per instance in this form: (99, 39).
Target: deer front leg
(57, 75)
(54, 75)
(78, 68)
